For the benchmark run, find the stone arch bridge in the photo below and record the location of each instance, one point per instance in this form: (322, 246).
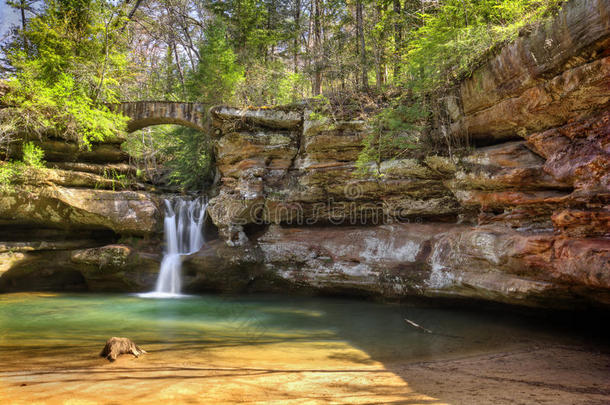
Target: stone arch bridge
(146, 113)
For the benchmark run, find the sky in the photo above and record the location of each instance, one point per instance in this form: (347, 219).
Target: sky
(8, 17)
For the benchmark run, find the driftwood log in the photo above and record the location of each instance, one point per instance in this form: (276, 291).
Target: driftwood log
(115, 346)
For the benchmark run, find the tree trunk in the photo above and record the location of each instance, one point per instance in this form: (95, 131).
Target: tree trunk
(380, 59)
(362, 45)
(397, 38)
(297, 30)
(317, 45)
(180, 73)
(23, 6)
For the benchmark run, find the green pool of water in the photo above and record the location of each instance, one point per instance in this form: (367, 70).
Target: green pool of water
(37, 324)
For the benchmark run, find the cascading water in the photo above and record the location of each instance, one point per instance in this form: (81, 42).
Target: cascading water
(183, 236)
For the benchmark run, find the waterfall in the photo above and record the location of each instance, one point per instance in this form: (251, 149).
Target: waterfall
(183, 236)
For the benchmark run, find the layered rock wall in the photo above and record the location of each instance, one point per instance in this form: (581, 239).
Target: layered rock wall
(81, 200)
(523, 217)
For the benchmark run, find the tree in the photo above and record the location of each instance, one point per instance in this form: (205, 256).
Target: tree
(316, 34)
(73, 63)
(361, 44)
(217, 74)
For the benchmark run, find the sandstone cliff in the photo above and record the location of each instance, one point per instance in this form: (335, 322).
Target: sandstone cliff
(52, 218)
(521, 218)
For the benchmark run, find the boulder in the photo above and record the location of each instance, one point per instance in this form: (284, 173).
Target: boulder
(116, 268)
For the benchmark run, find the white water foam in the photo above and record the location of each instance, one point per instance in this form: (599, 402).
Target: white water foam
(183, 236)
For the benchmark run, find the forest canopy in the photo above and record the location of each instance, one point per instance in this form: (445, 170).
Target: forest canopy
(252, 52)
(66, 59)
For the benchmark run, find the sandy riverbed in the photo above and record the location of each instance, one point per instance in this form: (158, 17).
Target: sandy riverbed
(321, 374)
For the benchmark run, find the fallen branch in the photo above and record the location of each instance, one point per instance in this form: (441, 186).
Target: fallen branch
(418, 327)
(424, 330)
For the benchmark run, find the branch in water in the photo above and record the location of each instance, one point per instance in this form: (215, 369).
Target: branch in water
(421, 328)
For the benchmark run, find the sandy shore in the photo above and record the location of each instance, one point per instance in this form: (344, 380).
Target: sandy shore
(332, 373)
(535, 375)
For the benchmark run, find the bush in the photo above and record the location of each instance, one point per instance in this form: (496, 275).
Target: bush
(394, 131)
(32, 155)
(8, 171)
(60, 109)
(73, 63)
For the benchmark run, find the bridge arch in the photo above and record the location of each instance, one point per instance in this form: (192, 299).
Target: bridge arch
(143, 114)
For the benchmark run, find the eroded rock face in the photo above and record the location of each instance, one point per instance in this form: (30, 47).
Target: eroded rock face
(572, 95)
(56, 223)
(384, 260)
(116, 268)
(554, 74)
(577, 153)
(434, 260)
(523, 218)
(125, 212)
(40, 271)
(529, 237)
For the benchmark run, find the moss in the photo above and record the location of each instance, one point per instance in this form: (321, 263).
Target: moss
(404, 167)
(440, 164)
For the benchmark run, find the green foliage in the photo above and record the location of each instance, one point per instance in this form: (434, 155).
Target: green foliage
(189, 159)
(393, 132)
(8, 172)
(11, 172)
(250, 52)
(290, 88)
(270, 83)
(60, 109)
(119, 180)
(74, 60)
(184, 152)
(252, 25)
(217, 73)
(33, 155)
(322, 108)
(453, 38)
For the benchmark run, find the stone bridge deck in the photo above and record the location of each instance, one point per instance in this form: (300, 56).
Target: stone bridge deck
(146, 113)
